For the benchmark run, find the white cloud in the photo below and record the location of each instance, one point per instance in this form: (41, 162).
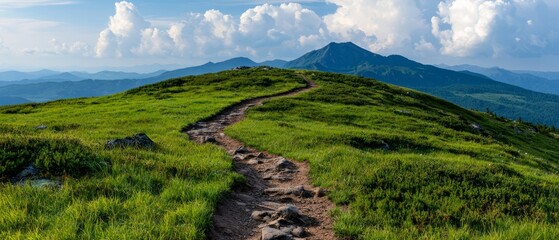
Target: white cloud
(63, 48)
(496, 27)
(379, 24)
(470, 24)
(123, 33)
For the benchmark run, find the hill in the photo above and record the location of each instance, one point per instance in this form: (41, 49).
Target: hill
(523, 80)
(467, 90)
(399, 164)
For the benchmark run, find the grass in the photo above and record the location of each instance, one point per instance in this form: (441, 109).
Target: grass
(166, 193)
(404, 165)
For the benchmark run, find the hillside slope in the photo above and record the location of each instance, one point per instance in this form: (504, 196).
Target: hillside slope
(399, 164)
(169, 192)
(404, 165)
(467, 90)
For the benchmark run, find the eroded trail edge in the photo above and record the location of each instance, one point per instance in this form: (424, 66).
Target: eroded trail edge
(277, 201)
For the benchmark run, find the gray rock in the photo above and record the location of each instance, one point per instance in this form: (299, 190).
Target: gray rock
(297, 191)
(288, 212)
(274, 234)
(29, 172)
(260, 215)
(476, 126)
(283, 164)
(254, 161)
(298, 232)
(241, 150)
(140, 141)
(41, 127)
(208, 139)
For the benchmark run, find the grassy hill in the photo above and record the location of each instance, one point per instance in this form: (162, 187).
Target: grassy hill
(404, 165)
(398, 163)
(166, 193)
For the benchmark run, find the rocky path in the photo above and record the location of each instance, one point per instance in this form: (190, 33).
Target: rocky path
(277, 201)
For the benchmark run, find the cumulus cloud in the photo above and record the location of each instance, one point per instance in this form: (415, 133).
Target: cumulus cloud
(262, 31)
(496, 27)
(378, 24)
(63, 48)
(124, 32)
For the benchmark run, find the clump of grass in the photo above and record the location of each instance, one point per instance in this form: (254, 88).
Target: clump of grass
(53, 156)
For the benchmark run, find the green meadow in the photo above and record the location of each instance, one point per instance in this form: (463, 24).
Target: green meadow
(166, 193)
(400, 164)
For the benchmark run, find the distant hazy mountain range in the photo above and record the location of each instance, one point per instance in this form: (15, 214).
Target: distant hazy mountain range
(49, 85)
(536, 81)
(468, 86)
(467, 89)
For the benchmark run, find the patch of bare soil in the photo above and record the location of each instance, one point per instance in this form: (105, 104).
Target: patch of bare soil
(277, 201)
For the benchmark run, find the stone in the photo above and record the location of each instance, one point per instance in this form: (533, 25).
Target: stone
(254, 161)
(29, 172)
(241, 150)
(208, 139)
(260, 215)
(41, 127)
(476, 126)
(297, 191)
(140, 141)
(319, 192)
(288, 212)
(298, 232)
(282, 164)
(269, 233)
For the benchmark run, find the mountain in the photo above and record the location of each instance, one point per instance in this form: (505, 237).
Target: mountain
(113, 75)
(12, 100)
(40, 91)
(16, 75)
(465, 89)
(209, 68)
(547, 75)
(274, 63)
(524, 80)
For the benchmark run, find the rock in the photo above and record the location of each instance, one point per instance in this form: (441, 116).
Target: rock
(297, 191)
(238, 157)
(260, 215)
(41, 127)
(254, 161)
(319, 192)
(298, 232)
(282, 164)
(241, 150)
(288, 212)
(140, 140)
(29, 172)
(269, 233)
(208, 139)
(385, 145)
(476, 126)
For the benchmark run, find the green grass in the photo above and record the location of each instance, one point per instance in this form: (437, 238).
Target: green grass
(440, 178)
(166, 193)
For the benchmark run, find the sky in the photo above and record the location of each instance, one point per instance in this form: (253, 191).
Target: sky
(102, 34)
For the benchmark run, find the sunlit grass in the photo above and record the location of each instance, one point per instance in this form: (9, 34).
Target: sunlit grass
(166, 193)
(410, 166)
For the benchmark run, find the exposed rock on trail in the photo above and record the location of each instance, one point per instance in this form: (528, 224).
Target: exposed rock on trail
(277, 201)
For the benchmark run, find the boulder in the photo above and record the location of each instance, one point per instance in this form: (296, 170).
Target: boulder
(284, 164)
(269, 233)
(140, 141)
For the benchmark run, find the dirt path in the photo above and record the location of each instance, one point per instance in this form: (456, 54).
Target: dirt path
(277, 201)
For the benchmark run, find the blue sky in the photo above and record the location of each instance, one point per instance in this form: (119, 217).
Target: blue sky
(92, 35)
